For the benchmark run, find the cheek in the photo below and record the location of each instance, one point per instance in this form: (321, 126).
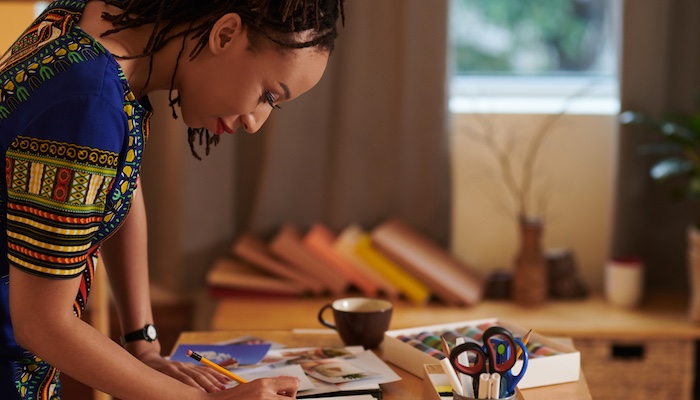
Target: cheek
(198, 105)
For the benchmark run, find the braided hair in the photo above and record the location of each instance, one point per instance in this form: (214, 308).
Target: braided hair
(273, 20)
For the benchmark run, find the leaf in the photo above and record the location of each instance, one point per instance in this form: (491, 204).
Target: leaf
(694, 124)
(694, 187)
(670, 167)
(661, 148)
(678, 132)
(632, 117)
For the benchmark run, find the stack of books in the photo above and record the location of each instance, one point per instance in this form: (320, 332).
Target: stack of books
(391, 260)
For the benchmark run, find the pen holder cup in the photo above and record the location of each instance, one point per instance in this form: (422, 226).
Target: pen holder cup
(460, 397)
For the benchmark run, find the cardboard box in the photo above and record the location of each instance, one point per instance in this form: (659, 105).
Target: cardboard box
(565, 366)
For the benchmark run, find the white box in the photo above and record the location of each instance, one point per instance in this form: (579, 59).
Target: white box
(548, 370)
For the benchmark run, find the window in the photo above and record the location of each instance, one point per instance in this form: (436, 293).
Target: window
(534, 56)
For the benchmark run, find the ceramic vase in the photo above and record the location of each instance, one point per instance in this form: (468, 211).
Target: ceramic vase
(529, 286)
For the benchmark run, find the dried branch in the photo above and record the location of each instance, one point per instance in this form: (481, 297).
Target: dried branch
(501, 155)
(535, 144)
(521, 190)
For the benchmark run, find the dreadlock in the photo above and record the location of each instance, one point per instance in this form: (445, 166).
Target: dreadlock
(275, 20)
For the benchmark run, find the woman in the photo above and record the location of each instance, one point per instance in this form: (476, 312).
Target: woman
(73, 123)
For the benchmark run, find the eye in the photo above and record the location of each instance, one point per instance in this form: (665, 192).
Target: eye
(270, 99)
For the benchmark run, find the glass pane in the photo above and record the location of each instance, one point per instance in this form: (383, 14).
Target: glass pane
(533, 37)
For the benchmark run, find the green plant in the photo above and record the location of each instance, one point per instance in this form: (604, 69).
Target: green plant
(677, 154)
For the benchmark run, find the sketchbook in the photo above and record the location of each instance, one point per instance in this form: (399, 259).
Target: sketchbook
(332, 371)
(323, 372)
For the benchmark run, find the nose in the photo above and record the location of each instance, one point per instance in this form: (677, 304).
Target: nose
(252, 122)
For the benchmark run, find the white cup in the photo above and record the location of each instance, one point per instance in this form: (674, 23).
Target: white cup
(624, 281)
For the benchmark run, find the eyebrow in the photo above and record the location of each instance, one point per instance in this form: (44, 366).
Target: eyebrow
(285, 88)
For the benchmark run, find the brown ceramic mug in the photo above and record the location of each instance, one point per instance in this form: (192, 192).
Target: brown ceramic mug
(358, 320)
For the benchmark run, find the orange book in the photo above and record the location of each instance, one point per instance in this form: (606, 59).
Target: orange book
(287, 245)
(319, 240)
(450, 279)
(345, 245)
(252, 249)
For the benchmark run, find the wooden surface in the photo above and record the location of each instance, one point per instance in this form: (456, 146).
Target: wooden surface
(409, 387)
(659, 317)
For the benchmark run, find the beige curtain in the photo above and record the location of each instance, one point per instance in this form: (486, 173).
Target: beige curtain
(370, 140)
(367, 143)
(660, 73)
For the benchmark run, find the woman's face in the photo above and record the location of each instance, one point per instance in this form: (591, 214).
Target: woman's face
(228, 86)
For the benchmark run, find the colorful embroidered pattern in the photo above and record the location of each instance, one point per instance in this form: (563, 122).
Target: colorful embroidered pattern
(34, 377)
(56, 197)
(120, 202)
(44, 50)
(62, 199)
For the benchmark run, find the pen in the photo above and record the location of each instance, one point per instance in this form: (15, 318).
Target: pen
(215, 366)
(495, 383)
(484, 391)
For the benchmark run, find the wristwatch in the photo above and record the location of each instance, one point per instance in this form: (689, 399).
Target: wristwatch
(148, 333)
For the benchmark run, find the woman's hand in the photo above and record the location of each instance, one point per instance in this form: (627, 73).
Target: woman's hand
(199, 376)
(282, 388)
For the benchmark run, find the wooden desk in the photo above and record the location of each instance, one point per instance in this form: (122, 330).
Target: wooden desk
(409, 387)
(660, 317)
(657, 333)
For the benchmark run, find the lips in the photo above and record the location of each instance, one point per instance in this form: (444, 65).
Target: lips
(221, 127)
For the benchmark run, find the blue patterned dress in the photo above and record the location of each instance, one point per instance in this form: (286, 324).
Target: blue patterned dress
(72, 135)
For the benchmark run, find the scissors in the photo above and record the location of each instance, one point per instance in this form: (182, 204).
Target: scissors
(498, 354)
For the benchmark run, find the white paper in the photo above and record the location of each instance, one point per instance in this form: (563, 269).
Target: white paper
(287, 370)
(354, 355)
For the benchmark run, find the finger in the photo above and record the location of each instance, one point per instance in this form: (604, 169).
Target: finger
(200, 378)
(209, 378)
(287, 394)
(214, 376)
(287, 386)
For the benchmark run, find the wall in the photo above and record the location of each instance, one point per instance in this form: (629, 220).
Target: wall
(16, 16)
(189, 202)
(575, 171)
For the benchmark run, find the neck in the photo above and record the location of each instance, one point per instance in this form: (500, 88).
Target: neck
(127, 47)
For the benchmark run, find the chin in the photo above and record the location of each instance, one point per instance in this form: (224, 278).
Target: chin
(192, 124)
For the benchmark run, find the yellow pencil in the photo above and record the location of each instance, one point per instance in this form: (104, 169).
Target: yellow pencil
(215, 366)
(445, 347)
(525, 339)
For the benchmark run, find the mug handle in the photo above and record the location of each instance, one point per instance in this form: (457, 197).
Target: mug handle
(323, 321)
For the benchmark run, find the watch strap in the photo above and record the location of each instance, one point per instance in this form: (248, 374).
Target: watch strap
(140, 334)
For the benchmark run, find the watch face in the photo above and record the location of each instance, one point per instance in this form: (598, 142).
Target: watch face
(151, 333)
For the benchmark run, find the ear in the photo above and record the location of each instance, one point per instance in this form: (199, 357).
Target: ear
(225, 31)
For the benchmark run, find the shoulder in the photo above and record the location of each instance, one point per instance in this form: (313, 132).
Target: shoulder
(83, 102)
(54, 59)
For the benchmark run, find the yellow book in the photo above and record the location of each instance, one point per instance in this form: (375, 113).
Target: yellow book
(345, 247)
(415, 291)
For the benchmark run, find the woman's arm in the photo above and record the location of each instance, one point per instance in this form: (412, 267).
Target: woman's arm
(44, 323)
(125, 256)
